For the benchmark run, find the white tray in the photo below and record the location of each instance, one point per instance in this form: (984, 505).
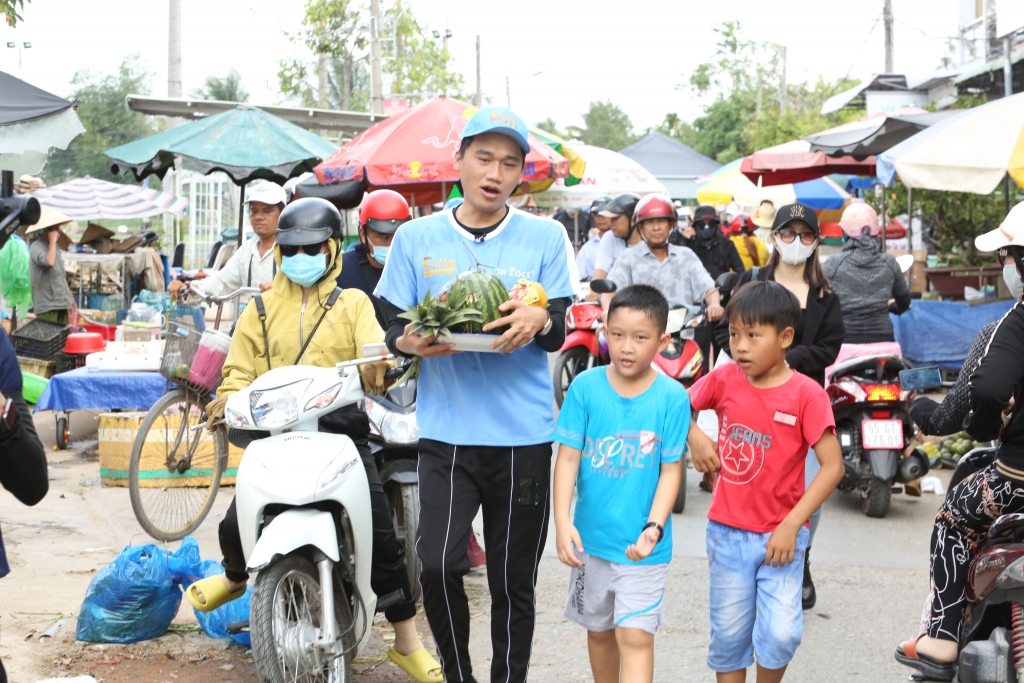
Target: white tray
(479, 343)
(123, 362)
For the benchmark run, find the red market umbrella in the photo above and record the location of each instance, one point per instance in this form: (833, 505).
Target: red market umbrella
(413, 154)
(794, 162)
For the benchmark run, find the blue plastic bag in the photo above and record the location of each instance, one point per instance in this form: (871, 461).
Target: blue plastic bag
(215, 623)
(136, 596)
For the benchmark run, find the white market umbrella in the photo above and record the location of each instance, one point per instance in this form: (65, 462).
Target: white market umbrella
(607, 173)
(86, 199)
(971, 151)
(33, 123)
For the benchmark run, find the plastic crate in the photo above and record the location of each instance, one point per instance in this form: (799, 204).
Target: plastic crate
(108, 332)
(181, 342)
(189, 315)
(43, 368)
(40, 339)
(69, 361)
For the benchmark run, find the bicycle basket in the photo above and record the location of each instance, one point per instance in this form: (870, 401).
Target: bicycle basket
(180, 347)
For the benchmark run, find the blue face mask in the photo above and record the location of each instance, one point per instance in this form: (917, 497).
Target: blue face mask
(380, 254)
(303, 269)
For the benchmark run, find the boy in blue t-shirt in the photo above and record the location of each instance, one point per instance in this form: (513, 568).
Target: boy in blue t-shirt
(631, 423)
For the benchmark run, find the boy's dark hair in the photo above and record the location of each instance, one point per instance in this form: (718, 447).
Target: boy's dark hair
(466, 142)
(764, 303)
(644, 298)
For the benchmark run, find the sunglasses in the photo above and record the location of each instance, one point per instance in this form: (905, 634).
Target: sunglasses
(309, 249)
(706, 225)
(787, 235)
(1006, 254)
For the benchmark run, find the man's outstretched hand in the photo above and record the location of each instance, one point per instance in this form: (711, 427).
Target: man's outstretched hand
(524, 322)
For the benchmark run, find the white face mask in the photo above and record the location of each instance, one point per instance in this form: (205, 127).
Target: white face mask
(796, 252)
(1013, 280)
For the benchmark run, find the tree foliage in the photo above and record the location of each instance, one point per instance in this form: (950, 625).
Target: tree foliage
(10, 10)
(550, 126)
(950, 219)
(336, 32)
(108, 122)
(227, 89)
(605, 125)
(752, 106)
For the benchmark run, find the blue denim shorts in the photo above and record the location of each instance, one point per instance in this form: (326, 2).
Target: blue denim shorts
(756, 609)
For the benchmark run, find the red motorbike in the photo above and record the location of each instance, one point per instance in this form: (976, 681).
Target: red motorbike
(873, 424)
(582, 348)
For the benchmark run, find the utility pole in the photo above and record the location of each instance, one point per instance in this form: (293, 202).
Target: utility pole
(887, 17)
(174, 49)
(508, 94)
(783, 88)
(1007, 66)
(376, 87)
(321, 89)
(479, 99)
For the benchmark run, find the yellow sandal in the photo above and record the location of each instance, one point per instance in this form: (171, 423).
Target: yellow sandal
(214, 591)
(418, 665)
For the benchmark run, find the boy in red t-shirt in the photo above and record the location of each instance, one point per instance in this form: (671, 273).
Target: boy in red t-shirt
(768, 417)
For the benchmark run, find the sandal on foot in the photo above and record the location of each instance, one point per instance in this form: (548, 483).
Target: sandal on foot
(707, 482)
(907, 655)
(419, 665)
(214, 591)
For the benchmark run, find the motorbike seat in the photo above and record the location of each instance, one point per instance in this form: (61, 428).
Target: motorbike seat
(971, 463)
(1007, 529)
(871, 368)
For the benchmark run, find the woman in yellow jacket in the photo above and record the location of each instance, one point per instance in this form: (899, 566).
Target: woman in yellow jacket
(305, 319)
(752, 251)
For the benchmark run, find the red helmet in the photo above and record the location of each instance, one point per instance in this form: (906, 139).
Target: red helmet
(654, 206)
(383, 211)
(742, 223)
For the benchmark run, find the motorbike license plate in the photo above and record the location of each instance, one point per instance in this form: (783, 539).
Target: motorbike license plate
(884, 435)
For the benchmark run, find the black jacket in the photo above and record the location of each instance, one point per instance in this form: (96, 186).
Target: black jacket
(999, 376)
(823, 334)
(720, 257)
(358, 273)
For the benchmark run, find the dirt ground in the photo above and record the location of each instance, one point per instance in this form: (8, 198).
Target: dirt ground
(56, 547)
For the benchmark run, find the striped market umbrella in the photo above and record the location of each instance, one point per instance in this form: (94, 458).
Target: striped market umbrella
(577, 164)
(729, 184)
(86, 199)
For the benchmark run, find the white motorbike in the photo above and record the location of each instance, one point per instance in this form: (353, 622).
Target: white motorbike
(303, 508)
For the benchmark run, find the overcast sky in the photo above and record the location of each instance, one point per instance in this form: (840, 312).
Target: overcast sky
(558, 55)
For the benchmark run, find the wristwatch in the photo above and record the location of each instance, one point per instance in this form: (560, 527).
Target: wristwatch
(660, 528)
(547, 327)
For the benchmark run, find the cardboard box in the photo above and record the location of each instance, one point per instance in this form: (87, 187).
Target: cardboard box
(117, 432)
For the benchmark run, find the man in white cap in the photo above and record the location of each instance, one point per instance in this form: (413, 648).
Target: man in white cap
(253, 264)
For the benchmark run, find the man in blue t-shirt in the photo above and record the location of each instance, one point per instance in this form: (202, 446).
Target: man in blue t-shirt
(485, 419)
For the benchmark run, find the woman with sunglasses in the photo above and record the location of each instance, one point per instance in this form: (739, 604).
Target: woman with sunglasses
(995, 393)
(794, 264)
(306, 319)
(866, 279)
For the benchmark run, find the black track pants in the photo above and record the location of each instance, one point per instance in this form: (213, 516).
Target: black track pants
(387, 573)
(512, 485)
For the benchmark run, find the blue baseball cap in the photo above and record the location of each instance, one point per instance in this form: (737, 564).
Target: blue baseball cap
(498, 120)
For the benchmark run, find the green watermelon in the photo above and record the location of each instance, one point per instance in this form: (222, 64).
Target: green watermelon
(485, 293)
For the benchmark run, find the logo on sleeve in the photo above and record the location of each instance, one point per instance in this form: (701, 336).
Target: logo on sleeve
(741, 451)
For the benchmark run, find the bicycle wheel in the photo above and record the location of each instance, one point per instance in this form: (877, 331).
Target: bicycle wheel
(175, 470)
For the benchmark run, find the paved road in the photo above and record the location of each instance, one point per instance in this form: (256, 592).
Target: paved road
(871, 576)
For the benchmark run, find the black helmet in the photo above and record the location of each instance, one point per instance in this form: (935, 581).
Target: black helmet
(621, 205)
(598, 204)
(308, 221)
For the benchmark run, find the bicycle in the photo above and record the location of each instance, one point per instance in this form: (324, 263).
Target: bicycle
(176, 466)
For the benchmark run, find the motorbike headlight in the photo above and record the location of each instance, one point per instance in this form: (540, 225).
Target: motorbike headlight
(325, 399)
(398, 428)
(274, 408)
(337, 468)
(235, 418)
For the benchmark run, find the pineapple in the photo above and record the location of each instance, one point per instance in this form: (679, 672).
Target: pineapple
(437, 317)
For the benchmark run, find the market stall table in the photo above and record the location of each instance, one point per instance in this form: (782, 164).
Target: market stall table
(85, 389)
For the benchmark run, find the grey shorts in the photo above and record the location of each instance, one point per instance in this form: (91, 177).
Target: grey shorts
(604, 595)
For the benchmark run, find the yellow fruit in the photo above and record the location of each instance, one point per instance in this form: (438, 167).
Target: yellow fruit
(530, 293)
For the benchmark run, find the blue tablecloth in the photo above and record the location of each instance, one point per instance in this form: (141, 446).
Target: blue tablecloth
(941, 332)
(85, 389)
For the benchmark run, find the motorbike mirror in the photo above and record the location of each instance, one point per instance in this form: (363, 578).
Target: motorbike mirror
(603, 286)
(727, 281)
(372, 350)
(921, 378)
